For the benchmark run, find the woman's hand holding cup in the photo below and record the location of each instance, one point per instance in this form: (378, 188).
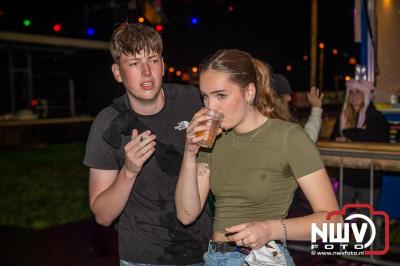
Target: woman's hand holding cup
(203, 129)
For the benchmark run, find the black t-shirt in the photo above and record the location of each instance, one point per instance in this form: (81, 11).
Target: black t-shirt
(148, 229)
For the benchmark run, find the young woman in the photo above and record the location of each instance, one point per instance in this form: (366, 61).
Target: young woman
(360, 121)
(254, 167)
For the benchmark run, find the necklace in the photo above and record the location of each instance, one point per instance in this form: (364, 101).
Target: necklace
(237, 145)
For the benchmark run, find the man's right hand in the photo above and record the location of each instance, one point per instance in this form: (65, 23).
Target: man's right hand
(138, 151)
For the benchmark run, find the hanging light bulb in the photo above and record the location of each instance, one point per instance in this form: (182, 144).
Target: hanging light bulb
(57, 27)
(27, 22)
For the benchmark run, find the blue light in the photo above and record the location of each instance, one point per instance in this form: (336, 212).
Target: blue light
(90, 31)
(194, 20)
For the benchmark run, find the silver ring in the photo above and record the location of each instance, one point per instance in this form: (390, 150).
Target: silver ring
(242, 242)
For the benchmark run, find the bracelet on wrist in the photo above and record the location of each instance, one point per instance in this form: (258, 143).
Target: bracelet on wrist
(284, 230)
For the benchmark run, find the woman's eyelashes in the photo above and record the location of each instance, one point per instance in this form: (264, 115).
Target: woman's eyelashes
(221, 96)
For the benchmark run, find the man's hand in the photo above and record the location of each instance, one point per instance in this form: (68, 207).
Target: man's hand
(315, 97)
(138, 151)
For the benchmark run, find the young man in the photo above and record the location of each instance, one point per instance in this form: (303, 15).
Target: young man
(134, 151)
(281, 86)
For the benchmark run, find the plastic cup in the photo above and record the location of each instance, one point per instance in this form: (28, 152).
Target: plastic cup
(209, 135)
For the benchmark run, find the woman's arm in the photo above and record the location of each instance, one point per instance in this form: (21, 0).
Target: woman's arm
(191, 190)
(193, 182)
(319, 192)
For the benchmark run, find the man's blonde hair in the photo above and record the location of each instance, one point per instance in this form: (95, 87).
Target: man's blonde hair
(131, 39)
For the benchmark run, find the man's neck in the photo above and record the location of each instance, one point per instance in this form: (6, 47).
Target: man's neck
(147, 107)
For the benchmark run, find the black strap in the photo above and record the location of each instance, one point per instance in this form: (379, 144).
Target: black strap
(168, 158)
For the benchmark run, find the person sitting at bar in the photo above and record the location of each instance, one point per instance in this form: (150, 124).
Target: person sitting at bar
(360, 121)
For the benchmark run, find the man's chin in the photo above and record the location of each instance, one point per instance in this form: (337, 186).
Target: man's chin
(147, 95)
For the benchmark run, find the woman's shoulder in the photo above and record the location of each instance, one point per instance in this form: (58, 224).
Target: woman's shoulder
(284, 125)
(285, 130)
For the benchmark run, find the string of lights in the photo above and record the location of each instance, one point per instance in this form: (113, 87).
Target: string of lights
(90, 27)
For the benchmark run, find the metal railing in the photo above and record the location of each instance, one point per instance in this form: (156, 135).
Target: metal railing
(358, 155)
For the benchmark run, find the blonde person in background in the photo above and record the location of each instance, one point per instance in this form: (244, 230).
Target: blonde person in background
(254, 168)
(360, 121)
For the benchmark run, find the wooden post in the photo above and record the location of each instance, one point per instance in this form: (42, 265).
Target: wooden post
(321, 68)
(314, 36)
(72, 97)
(12, 81)
(29, 75)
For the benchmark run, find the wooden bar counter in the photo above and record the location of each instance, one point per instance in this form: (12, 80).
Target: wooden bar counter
(360, 155)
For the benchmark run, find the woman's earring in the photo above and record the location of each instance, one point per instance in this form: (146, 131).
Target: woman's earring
(251, 103)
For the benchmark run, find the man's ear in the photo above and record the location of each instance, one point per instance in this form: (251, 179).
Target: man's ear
(117, 74)
(163, 66)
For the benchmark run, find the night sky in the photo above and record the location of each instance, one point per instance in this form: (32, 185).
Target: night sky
(276, 31)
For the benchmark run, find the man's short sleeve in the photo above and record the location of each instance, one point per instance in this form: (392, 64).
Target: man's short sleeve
(192, 97)
(303, 155)
(99, 154)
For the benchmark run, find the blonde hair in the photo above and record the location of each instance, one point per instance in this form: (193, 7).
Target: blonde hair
(351, 116)
(131, 39)
(244, 70)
